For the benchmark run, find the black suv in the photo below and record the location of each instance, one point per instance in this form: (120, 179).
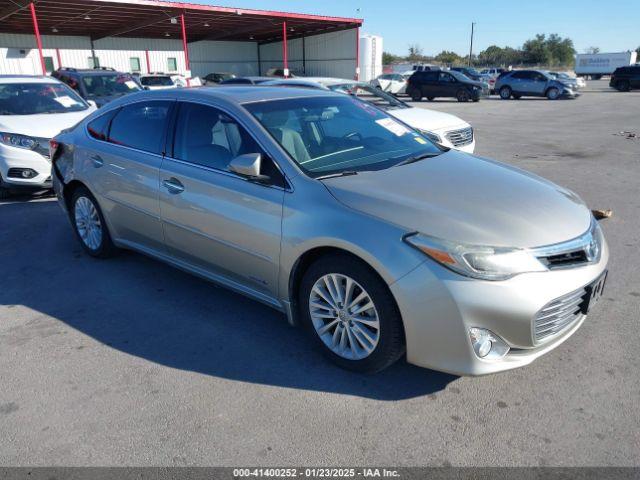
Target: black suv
(438, 83)
(626, 78)
(100, 85)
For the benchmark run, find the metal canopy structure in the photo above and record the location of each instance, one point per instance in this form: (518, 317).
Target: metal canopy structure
(161, 19)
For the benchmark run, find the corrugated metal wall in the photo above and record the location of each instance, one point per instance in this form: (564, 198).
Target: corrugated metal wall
(325, 55)
(329, 54)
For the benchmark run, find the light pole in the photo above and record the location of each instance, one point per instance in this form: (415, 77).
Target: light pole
(471, 45)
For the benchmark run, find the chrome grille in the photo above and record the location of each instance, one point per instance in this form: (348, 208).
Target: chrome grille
(559, 314)
(459, 138)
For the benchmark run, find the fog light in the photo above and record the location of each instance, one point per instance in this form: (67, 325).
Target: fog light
(22, 173)
(486, 344)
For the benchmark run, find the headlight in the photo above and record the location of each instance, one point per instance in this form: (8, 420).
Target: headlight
(477, 261)
(16, 140)
(432, 136)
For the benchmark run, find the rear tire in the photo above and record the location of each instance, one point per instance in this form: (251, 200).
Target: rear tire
(334, 295)
(505, 93)
(89, 224)
(416, 95)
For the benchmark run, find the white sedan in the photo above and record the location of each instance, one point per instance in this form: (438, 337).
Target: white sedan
(32, 111)
(394, 83)
(442, 128)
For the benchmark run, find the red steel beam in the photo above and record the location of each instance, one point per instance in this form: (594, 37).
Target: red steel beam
(186, 49)
(36, 30)
(357, 53)
(148, 61)
(285, 59)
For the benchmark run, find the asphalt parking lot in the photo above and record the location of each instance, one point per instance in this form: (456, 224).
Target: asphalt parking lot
(131, 362)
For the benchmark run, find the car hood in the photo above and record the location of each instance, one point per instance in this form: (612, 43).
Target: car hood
(46, 125)
(424, 119)
(468, 199)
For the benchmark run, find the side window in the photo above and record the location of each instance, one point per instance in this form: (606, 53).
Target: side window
(99, 127)
(446, 78)
(208, 137)
(134, 64)
(520, 75)
(172, 64)
(141, 126)
(48, 64)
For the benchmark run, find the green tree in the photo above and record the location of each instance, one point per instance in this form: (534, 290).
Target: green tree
(536, 51)
(638, 52)
(592, 50)
(389, 58)
(448, 58)
(561, 49)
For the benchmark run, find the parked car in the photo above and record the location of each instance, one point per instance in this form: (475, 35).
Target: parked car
(437, 83)
(157, 81)
(576, 82)
(471, 73)
(32, 111)
(342, 217)
(626, 78)
(99, 85)
(394, 83)
(442, 128)
(246, 81)
(533, 83)
(493, 71)
(216, 78)
(279, 72)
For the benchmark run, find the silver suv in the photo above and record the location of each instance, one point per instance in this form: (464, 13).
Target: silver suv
(342, 217)
(533, 83)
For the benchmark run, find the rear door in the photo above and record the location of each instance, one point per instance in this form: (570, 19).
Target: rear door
(634, 77)
(429, 81)
(519, 81)
(122, 161)
(213, 219)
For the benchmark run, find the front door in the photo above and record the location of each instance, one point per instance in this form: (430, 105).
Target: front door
(214, 220)
(447, 85)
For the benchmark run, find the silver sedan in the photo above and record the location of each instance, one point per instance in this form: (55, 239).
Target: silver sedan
(342, 217)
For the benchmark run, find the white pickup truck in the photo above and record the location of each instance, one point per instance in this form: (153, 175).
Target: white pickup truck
(595, 65)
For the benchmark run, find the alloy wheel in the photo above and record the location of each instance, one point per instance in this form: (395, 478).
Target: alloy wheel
(88, 223)
(344, 316)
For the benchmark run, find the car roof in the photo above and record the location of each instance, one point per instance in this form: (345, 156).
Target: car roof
(27, 79)
(90, 71)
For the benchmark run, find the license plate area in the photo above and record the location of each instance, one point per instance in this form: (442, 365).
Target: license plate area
(593, 292)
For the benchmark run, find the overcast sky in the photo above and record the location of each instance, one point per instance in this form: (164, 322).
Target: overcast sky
(612, 26)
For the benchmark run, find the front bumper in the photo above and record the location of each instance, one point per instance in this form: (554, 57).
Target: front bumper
(445, 142)
(439, 307)
(20, 158)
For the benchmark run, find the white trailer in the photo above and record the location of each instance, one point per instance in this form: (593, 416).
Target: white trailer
(595, 65)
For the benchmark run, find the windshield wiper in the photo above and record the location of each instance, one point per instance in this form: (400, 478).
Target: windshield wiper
(416, 158)
(346, 173)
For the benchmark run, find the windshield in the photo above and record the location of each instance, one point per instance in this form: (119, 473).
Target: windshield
(370, 94)
(461, 77)
(335, 134)
(38, 98)
(156, 81)
(107, 85)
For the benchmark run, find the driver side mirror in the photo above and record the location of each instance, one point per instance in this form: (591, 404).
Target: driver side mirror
(248, 166)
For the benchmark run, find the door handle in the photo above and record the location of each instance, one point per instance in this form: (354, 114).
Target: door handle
(97, 161)
(173, 185)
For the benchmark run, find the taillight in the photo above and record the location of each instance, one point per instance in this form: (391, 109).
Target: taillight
(54, 145)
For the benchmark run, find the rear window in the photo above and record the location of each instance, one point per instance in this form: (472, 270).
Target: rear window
(38, 98)
(156, 81)
(108, 85)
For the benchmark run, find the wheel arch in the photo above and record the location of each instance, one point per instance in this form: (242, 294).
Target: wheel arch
(306, 259)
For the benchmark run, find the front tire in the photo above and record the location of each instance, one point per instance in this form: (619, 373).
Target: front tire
(89, 224)
(463, 95)
(505, 93)
(622, 85)
(553, 93)
(351, 314)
